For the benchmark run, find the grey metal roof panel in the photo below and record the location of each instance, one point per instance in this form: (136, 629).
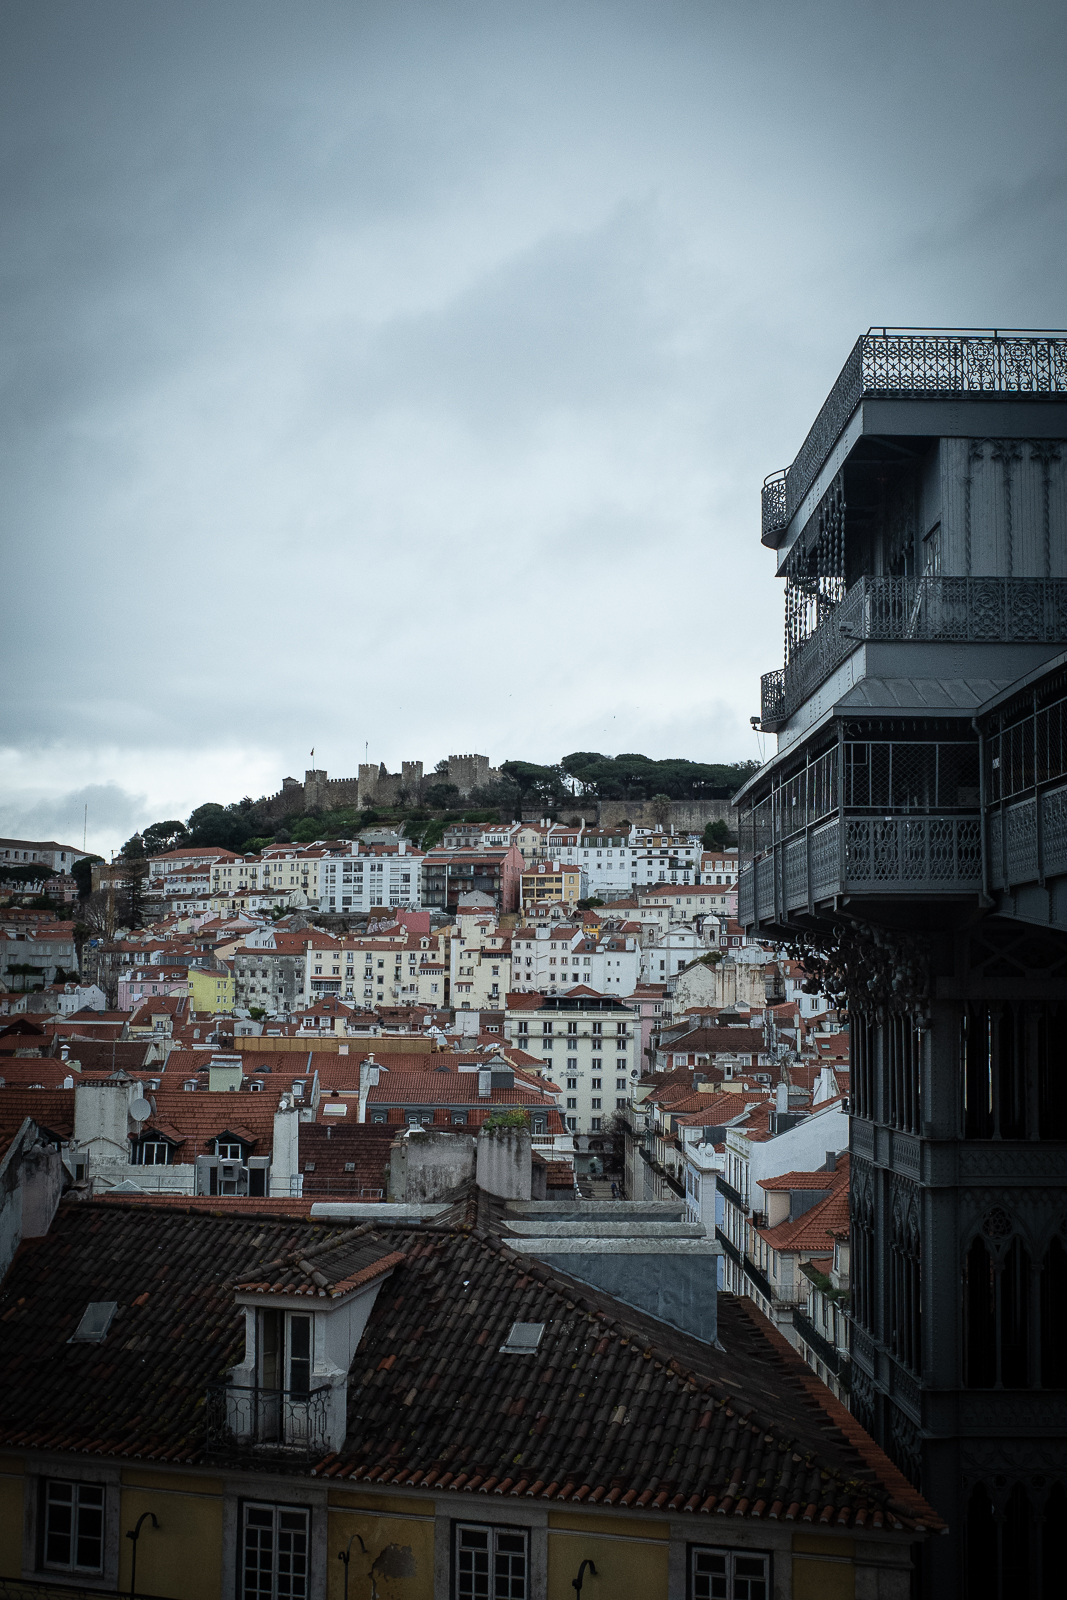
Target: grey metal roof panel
(1017, 685)
(921, 695)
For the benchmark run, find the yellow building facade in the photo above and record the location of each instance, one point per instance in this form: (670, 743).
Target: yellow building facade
(404, 1544)
(211, 991)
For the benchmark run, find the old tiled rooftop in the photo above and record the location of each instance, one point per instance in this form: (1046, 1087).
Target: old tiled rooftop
(612, 1408)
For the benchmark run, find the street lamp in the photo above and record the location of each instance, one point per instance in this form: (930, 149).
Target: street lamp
(135, 1534)
(345, 1555)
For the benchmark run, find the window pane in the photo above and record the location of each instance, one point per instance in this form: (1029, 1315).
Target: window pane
(59, 1519)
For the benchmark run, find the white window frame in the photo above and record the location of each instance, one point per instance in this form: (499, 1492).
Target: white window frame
(281, 1584)
(509, 1585)
(730, 1583)
(77, 1488)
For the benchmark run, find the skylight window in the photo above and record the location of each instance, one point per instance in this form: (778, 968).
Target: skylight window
(96, 1320)
(523, 1339)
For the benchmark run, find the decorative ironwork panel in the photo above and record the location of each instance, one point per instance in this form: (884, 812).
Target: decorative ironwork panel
(1054, 830)
(746, 896)
(909, 852)
(862, 1138)
(996, 856)
(918, 364)
(906, 1155)
(863, 1348)
(773, 508)
(1022, 842)
(825, 860)
(764, 888)
(796, 873)
(926, 608)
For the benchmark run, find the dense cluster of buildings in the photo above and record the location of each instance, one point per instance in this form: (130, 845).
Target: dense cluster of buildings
(571, 1204)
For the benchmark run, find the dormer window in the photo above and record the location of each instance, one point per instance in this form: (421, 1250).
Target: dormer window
(151, 1150)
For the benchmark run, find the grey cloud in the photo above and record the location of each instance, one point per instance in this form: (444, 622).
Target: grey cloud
(111, 810)
(342, 335)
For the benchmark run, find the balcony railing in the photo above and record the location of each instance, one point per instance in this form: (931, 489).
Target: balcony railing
(241, 1418)
(1028, 841)
(921, 364)
(863, 855)
(929, 609)
(827, 1352)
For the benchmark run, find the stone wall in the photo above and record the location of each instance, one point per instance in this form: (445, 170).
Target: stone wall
(687, 815)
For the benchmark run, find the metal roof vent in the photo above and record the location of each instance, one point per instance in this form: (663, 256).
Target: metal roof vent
(523, 1339)
(96, 1320)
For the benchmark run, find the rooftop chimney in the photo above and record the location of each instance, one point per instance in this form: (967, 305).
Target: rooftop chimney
(831, 1161)
(781, 1098)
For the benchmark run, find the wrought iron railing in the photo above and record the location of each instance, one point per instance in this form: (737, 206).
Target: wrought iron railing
(928, 609)
(919, 363)
(824, 1348)
(863, 855)
(1028, 844)
(241, 1418)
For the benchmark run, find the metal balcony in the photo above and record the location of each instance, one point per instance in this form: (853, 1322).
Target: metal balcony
(245, 1418)
(922, 610)
(906, 855)
(921, 364)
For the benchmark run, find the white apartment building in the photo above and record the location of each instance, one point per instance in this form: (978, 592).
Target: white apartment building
(671, 952)
(373, 875)
(480, 962)
(401, 971)
(719, 866)
(550, 959)
(588, 1043)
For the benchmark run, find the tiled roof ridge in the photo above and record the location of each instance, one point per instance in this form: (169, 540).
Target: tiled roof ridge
(735, 1406)
(659, 1493)
(907, 1499)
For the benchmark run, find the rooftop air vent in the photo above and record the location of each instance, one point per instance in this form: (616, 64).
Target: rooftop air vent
(96, 1320)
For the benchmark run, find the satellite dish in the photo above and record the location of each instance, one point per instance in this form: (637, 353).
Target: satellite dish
(140, 1109)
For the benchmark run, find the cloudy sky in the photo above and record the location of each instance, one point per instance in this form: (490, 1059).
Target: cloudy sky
(402, 376)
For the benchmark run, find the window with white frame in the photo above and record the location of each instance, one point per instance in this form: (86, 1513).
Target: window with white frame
(728, 1574)
(491, 1563)
(73, 1526)
(151, 1152)
(274, 1549)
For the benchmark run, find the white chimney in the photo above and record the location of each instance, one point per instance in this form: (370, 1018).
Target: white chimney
(781, 1099)
(485, 1083)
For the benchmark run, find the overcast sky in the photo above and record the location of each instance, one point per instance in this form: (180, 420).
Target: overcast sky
(402, 376)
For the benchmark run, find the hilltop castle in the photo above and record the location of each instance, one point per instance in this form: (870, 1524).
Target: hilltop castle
(376, 786)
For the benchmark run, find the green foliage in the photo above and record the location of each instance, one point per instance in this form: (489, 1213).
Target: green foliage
(432, 835)
(226, 827)
(499, 1120)
(257, 1013)
(254, 846)
(82, 873)
(590, 904)
(439, 796)
(504, 798)
(133, 849)
(27, 872)
(537, 785)
(717, 836)
(660, 806)
(636, 777)
(162, 836)
(307, 830)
